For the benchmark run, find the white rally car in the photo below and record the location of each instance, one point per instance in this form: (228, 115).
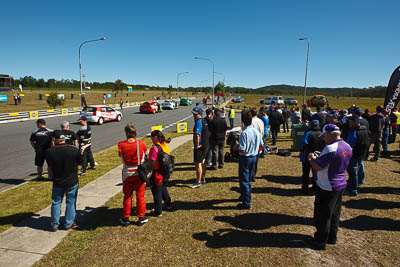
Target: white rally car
(169, 104)
(101, 113)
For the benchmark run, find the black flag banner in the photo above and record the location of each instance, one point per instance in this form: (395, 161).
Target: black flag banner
(393, 91)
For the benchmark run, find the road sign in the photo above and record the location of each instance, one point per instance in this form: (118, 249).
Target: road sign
(33, 115)
(64, 111)
(181, 127)
(158, 127)
(3, 98)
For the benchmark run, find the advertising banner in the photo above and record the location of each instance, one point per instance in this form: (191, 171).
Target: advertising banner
(158, 127)
(393, 91)
(181, 127)
(3, 98)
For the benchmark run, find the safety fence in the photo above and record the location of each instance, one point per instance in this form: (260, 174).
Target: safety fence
(25, 115)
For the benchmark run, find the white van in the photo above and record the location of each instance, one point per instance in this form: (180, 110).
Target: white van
(278, 100)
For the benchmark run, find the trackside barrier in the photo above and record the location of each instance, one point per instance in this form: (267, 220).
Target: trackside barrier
(52, 112)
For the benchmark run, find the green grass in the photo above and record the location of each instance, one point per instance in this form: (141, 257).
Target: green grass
(205, 229)
(21, 202)
(335, 102)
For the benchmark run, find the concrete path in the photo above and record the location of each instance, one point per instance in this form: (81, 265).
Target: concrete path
(28, 241)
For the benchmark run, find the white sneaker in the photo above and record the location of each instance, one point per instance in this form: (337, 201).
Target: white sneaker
(195, 185)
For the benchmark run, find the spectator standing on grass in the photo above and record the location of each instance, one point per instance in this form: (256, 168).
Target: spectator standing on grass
(330, 173)
(366, 115)
(157, 180)
(83, 100)
(377, 123)
(265, 120)
(201, 137)
(286, 116)
(394, 123)
(63, 160)
(131, 181)
(41, 141)
(275, 121)
(20, 87)
(104, 99)
(257, 124)
(217, 128)
(305, 114)
(385, 134)
(70, 137)
(231, 115)
(19, 99)
(85, 145)
(249, 145)
(310, 143)
(15, 99)
(121, 103)
(295, 115)
(209, 154)
(357, 137)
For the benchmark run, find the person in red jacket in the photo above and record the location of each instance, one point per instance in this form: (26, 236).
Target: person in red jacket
(127, 150)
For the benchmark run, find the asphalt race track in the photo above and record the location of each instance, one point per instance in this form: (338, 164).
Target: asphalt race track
(17, 155)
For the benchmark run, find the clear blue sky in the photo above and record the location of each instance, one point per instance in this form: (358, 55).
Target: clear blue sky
(254, 43)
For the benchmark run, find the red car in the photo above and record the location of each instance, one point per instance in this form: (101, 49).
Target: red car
(150, 107)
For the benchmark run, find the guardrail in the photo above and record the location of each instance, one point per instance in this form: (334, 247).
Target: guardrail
(25, 115)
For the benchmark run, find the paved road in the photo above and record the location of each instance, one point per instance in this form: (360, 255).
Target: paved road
(17, 155)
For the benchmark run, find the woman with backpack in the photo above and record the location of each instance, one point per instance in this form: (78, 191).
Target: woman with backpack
(159, 177)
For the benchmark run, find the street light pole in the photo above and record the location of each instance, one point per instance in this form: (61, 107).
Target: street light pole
(177, 81)
(80, 65)
(305, 78)
(212, 76)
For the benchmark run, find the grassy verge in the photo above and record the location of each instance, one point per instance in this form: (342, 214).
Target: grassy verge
(335, 102)
(19, 203)
(206, 229)
(31, 101)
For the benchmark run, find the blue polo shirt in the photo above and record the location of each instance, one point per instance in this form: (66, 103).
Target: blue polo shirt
(250, 141)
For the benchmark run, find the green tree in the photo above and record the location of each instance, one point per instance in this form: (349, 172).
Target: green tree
(54, 101)
(219, 88)
(118, 86)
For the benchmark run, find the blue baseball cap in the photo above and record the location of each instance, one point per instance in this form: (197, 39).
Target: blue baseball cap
(330, 128)
(197, 111)
(315, 122)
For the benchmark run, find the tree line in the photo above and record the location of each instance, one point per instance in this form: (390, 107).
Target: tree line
(283, 89)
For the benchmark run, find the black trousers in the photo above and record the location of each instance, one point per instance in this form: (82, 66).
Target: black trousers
(218, 153)
(327, 209)
(306, 176)
(87, 156)
(286, 125)
(160, 193)
(274, 134)
(231, 122)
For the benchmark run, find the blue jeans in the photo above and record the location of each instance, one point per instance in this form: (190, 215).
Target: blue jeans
(274, 134)
(356, 174)
(246, 171)
(385, 139)
(70, 210)
(264, 149)
(209, 156)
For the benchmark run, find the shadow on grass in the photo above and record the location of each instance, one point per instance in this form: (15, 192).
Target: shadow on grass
(371, 204)
(377, 190)
(283, 192)
(260, 221)
(183, 164)
(186, 183)
(283, 179)
(14, 219)
(12, 181)
(204, 205)
(228, 238)
(367, 223)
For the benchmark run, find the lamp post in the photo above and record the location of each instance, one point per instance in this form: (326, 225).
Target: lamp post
(80, 65)
(220, 73)
(177, 81)
(202, 58)
(305, 78)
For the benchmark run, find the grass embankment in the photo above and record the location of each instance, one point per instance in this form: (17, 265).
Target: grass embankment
(21, 202)
(205, 228)
(335, 102)
(31, 101)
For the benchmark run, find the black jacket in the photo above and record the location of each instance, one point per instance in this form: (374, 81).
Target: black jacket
(275, 119)
(360, 149)
(376, 123)
(218, 128)
(64, 161)
(315, 142)
(305, 114)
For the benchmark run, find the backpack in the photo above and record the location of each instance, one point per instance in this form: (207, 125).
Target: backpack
(166, 163)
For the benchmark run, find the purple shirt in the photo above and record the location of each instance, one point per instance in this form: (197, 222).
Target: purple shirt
(334, 160)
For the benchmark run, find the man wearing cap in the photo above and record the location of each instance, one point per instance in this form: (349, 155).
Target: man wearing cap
(63, 160)
(357, 137)
(70, 137)
(201, 137)
(357, 112)
(40, 141)
(310, 143)
(330, 177)
(85, 145)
